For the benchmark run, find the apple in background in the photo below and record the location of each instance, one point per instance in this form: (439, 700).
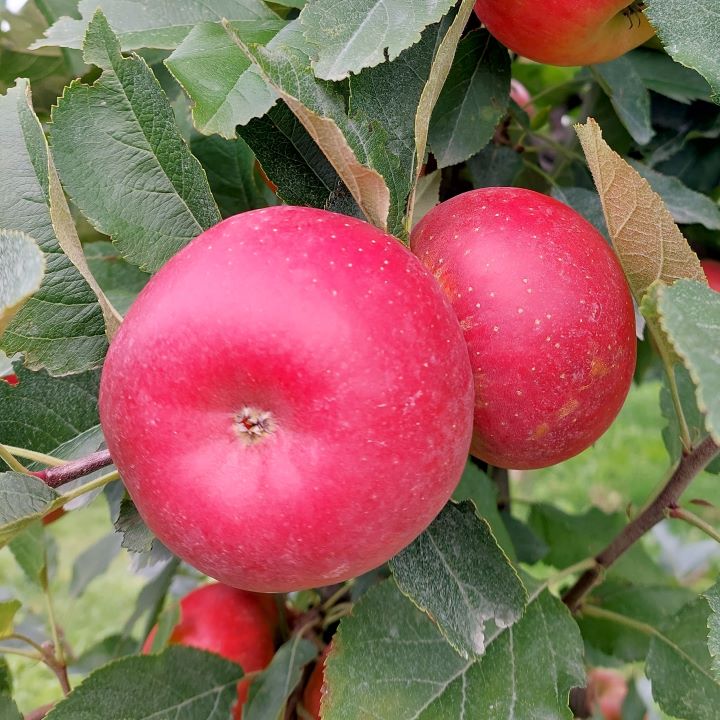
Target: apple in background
(521, 95)
(313, 693)
(712, 273)
(606, 693)
(238, 625)
(11, 379)
(332, 417)
(547, 316)
(566, 32)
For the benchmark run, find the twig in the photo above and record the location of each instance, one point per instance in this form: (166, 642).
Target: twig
(690, 465)
(56, 476)
(501, 479)
(12, 462)
(693, 519)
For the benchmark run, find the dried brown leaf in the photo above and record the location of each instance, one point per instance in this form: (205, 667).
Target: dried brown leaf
(645, 237)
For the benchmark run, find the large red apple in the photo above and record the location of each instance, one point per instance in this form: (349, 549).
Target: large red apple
(566, 32)
(236, 624)
(547, 316)
(289, 400)
(712, 273)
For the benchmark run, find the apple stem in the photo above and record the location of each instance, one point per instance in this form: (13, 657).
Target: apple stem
(55, 476)
(690, 465)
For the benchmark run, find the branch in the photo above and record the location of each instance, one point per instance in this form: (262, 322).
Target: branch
(39, 713)
(690, 465)
(56, 476)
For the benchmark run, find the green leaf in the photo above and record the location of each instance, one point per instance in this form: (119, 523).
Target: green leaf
(427, 195)
(271, 689)
(152, 597)
(6, 681)
(120, 281)
(475, 485)
(166, 623)
(230, 169)
(659, 72)
(351, 36)
(494, 166)
(713, 597)
(689, 315)
(181, 682)
(473, 99)
(651, 605)
(292, 159)
(22, 267)
(686, 205)
(586, 202)
(103, 651)
(61, 326)
(8, 709)
(225, 88)
(92, 562)
(690, 32)
(137, 537)
(42, 412)
(628, 96)
(149, 24)
(8, 609)
(573, 538)
(371, 137)
(679, 665)
(468, 594)
(23, 499)
(694, 419)
(390, 661)
(30, 553)
(140, 184)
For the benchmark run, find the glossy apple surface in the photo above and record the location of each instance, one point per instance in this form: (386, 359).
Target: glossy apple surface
(712, 273)
(547, 316)
(565, 32)
(289, 400)
(236, 624)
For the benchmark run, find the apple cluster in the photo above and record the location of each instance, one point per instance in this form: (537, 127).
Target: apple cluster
(292, 398)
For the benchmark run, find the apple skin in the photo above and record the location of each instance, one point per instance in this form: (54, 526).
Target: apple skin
(547, 316)
(606, 692)
(313, 692)
(238, 625)
(712, 273)
(338, 332)
(565, 32)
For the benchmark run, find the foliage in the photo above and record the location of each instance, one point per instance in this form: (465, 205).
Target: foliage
(127, 127)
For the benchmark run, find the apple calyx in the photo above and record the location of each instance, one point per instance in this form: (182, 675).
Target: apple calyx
(634, 9)
(253, 425)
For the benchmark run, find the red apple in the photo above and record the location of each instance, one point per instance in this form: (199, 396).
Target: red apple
(566, 32)
(11, 379)
(236, 624)
(547, 316)
(50, 518)
(712, 273)
(289, 400)
(313, 693)
(606, 692)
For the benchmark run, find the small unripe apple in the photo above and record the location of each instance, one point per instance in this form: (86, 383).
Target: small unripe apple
(712, 273)
(547, 316)
(289, 400)
(233, 623)
(566, 32)
(606, 693)
(313, 692)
